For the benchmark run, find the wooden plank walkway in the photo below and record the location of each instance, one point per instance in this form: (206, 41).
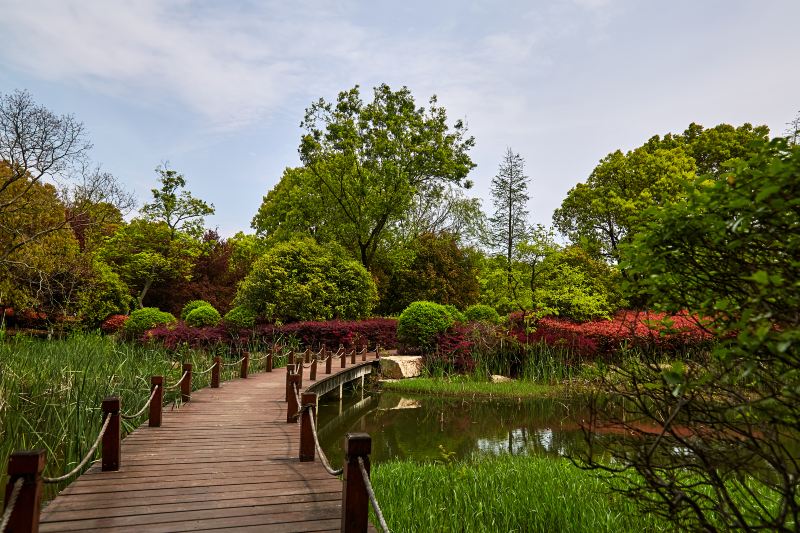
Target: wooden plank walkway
(225, 460)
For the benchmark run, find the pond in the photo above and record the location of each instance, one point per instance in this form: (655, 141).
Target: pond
(423, 427)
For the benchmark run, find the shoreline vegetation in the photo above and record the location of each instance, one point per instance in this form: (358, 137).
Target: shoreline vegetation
(468, 386)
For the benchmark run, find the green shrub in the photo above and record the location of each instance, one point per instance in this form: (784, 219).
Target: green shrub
(421, 322)
(191, 306)
(202, 316)
(302, 280)
(103, 294)
(455, 314)
(482, 313)
(146, 318)
(240, 317)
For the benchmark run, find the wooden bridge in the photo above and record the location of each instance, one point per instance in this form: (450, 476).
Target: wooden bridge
(231, 457)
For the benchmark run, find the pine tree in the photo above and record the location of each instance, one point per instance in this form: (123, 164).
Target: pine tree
(509, 224)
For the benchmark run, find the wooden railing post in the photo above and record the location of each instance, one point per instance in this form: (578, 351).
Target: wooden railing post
(377, 351)
(288, 386)
(245, 364)
(292, 407)
(344, 358)
(28, 466)
(269, 362)
(307, 355)
(353, 357)
(364, 353)
(186, 384)
(328, 363)
(157, 403)
(306, 432)
(290, 361)
(215, 372)
(312, 374)
(299, 373)
(112, 437)
(355, 500)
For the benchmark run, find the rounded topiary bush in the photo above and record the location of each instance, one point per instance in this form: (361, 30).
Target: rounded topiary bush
(240, 317)
(421, 322)
(482, 313)
(455, 314)
(302, 280)
(192, 305)
(146, 318)
(203, 316)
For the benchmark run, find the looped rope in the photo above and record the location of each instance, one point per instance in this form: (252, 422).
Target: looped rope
(88, 456)
(373, 500)
(207, 370)
(260, 358)
(12, 500)
(175, 386)
(322, 457)
(234, 363)
(146, 405)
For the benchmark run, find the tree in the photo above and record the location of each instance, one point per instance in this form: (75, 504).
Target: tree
(368, 161)
(175, 207)
(714, 439)
(610, 206)
(440, 271)
(302, 280)
(509, 224)
(793, 130)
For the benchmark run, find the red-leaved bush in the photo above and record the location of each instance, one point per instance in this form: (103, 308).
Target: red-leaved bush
(601, 338)
(113, 323)
(350, 334)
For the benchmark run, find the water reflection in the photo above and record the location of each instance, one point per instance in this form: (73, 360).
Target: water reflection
(415, 427)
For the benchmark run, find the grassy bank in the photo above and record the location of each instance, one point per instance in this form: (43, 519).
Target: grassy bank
(472, 386)
(50, 392)
(504, 493)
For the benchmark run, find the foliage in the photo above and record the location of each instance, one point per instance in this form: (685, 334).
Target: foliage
(113, 324)
(240, 318)
(421, 322)
(202, 316)
(145, 253)
(729, 252)
(175, 207)
(301, 280)
(440, 271)
(145, 318)
(611, 205)
(456, 315)
(482, 313)
(103, 294)
(368, 161)
(190, 306)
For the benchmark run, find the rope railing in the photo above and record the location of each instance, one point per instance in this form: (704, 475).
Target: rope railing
(178, 384)
(322, 457)
(143, 409)
(12, 501)
(85, 459)
(234, 363)
(372, 499)
(207, 370)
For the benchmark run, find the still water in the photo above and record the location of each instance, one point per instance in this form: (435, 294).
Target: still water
(421, 427)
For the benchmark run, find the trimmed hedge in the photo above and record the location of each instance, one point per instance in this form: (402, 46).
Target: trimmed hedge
(482, 313)
(202, 316)
(240, 317)
(146, 318)
(421, 322)
(191, 306)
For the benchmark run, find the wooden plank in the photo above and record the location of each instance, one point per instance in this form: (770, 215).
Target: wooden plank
(225, 460)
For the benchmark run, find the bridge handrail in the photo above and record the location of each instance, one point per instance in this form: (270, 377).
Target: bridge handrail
(85, 459)
(12, 501)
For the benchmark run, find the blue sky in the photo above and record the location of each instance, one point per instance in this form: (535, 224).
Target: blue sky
(218, 89)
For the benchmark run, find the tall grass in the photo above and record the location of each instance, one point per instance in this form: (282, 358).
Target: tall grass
(503, 493)
(51, 391)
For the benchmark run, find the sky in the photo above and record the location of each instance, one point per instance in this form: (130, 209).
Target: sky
(218, 89)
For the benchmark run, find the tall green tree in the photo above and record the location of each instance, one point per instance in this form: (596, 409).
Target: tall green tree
(176, 207)
(509, 224)
(602, 212)
(368, 161)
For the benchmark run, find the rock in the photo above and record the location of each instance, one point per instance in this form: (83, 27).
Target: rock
(500, 379)
(401, 366)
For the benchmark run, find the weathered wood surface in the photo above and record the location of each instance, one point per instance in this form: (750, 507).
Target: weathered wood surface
(227, 459)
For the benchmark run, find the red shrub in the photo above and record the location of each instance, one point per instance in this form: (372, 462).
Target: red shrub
(113, 323)
(455, 347)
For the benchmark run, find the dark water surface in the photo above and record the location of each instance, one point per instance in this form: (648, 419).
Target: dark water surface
(422, 427)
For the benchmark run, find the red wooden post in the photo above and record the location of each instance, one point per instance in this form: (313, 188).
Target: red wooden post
(156, 404)
(312, 374)
(215, 372)
(112, 437)
(292, 408)
(245, 364)
(344, 358)
(353, 357)
(186, 384)
(306, 433)
(355, 500)
(328, 363)
(269, 359)
(28, 466)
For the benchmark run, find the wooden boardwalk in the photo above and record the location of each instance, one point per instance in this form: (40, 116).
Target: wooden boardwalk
(225, 460)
